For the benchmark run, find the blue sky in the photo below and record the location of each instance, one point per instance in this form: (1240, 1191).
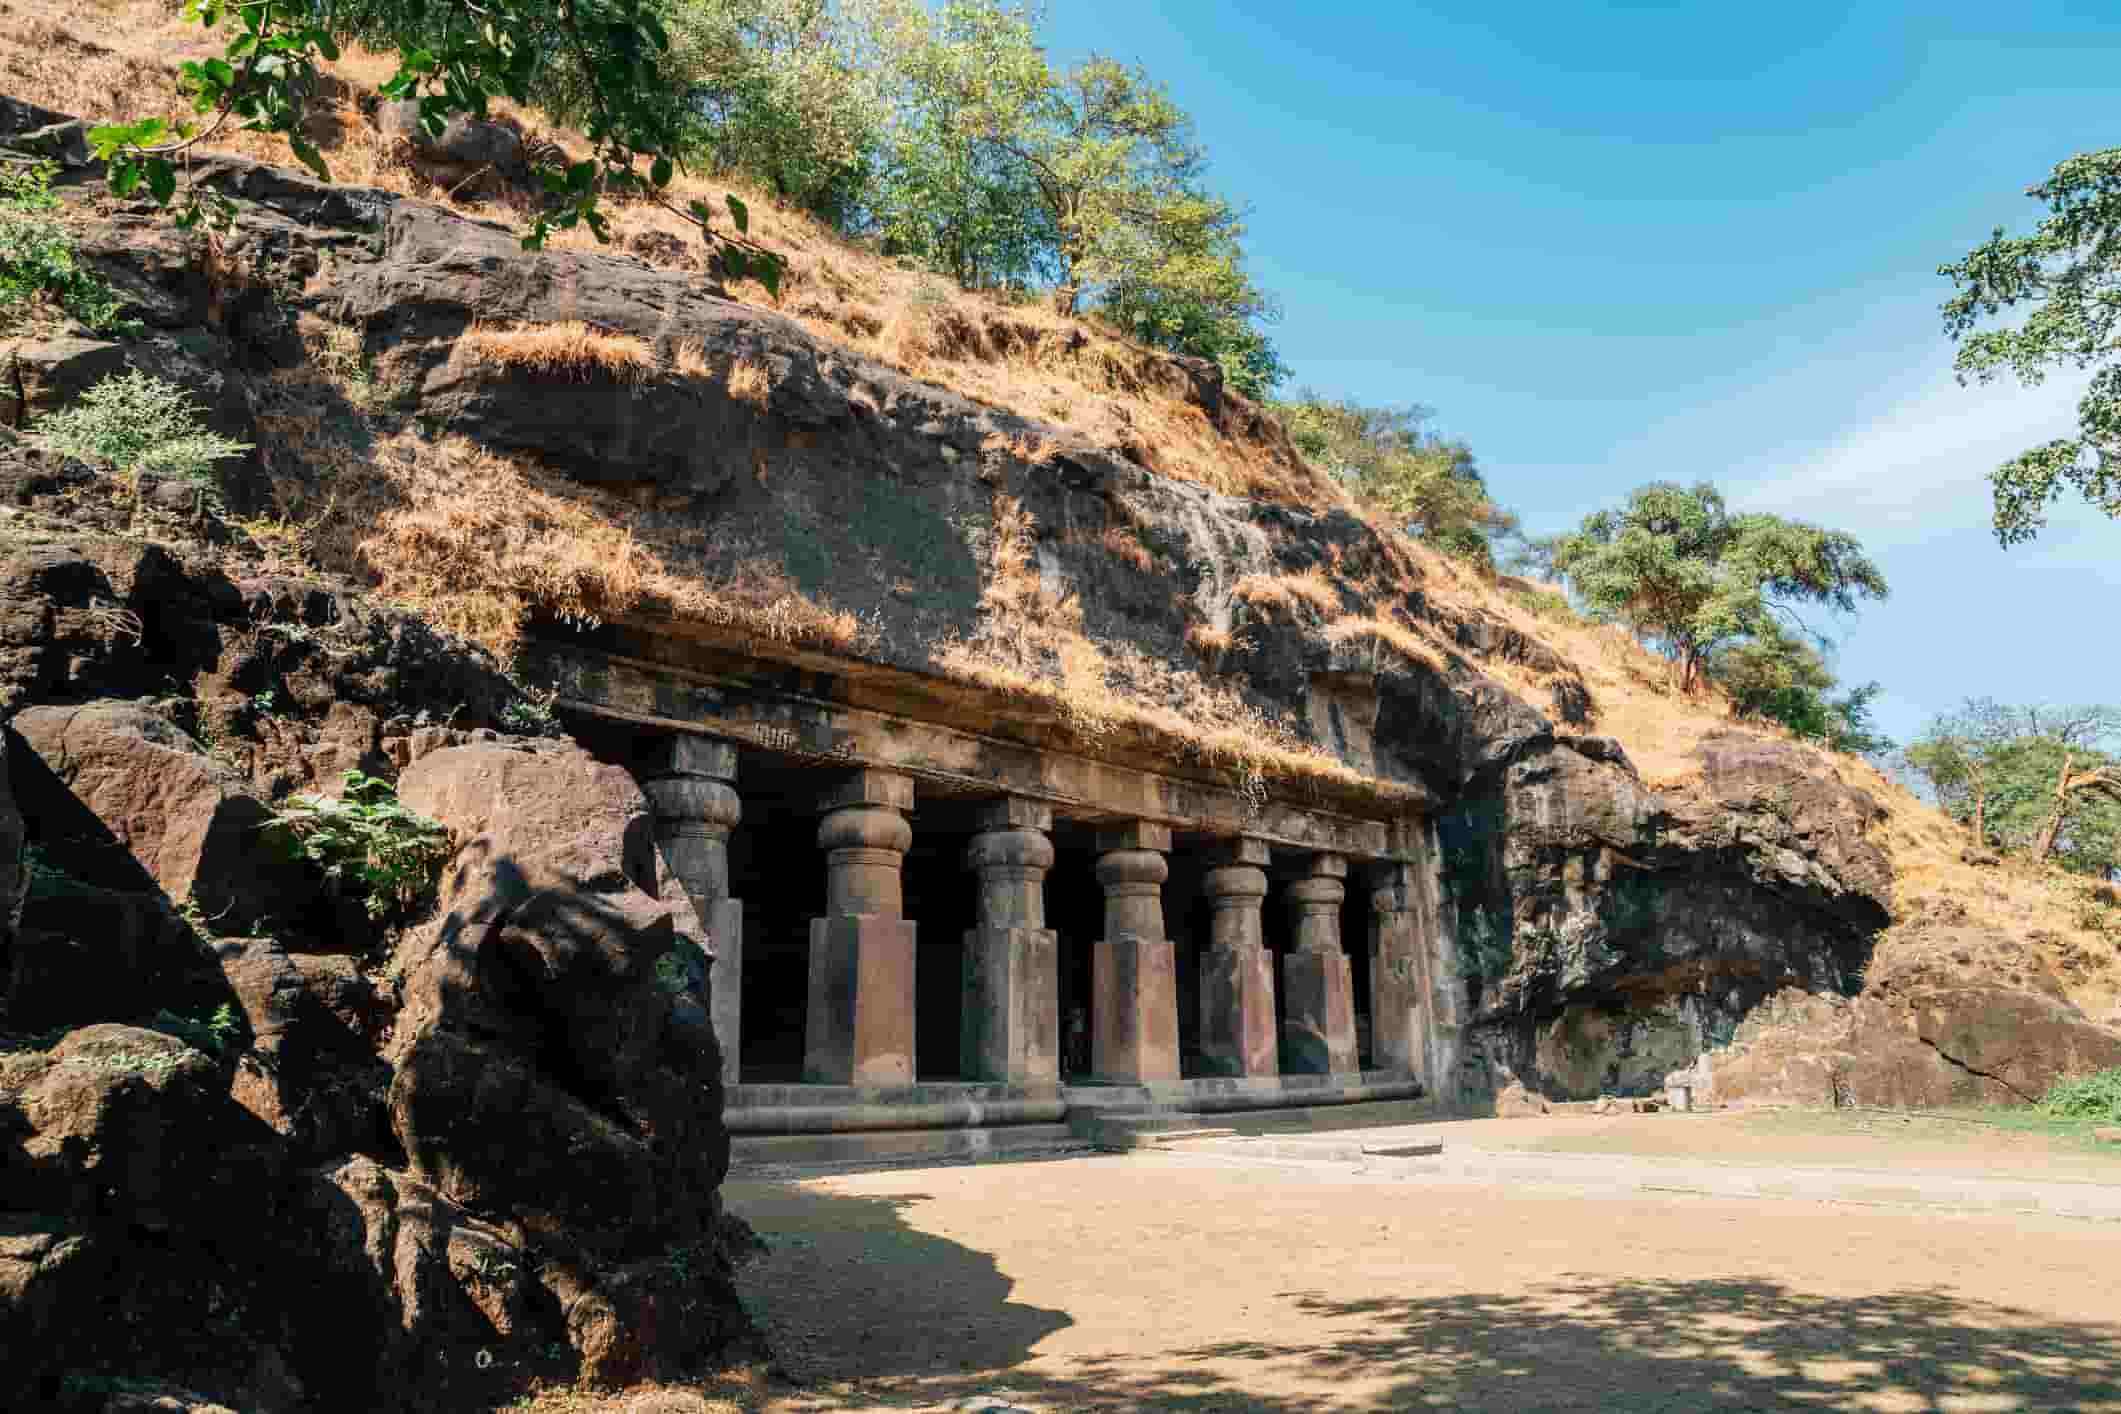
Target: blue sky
(1611, 244)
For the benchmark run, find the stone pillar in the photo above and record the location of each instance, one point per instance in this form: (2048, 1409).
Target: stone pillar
(1398, 1015)
(696, 806)
(1134, 967)
(1237, 973)
(1011, 1027)
(859, 1029)
(1317, 982)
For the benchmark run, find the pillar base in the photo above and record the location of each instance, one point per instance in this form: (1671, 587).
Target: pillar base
(1237, 1011)
(1318, 1033)
(859, 1029)
(1011, 1027)
(725, 980)
(1134, 1010)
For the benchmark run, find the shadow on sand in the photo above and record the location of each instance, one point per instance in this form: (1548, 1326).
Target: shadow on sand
(866, 1311)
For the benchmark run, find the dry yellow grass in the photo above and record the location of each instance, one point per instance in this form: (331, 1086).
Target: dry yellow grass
(1031, 645)
(749, 382)
(1381, 632)
(570, 349)
(1313, 588)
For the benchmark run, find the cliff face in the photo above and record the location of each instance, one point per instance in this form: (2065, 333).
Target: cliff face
(1605, 931)
(768, 489)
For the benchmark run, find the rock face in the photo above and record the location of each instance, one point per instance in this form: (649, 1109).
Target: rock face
(260, 1151)
(1950, 1016)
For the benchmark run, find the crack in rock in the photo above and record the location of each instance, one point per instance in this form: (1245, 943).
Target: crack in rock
(1971, 1070)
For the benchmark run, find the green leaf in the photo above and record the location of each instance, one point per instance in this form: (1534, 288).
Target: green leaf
(220, 71)
(310, 158)
(734, 262)
(124, 176)
(580, 175)
(659, 173)
(325, 44)
(741, 213)
(769, 274)
(161, 179)
(702, 213)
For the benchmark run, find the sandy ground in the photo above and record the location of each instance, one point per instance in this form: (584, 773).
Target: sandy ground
(1174, 1281)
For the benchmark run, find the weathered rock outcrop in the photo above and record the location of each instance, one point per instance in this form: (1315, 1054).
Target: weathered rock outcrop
(1949, 1016)
(400, 1182)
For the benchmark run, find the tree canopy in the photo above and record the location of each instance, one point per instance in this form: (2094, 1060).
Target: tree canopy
(1389, 457)
(2046, 780)
(2067, 272)
(1676, 566)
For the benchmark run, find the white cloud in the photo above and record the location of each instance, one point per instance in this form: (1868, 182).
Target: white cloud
(1922, 465)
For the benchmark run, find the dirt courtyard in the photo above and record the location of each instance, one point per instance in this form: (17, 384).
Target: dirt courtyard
(1194, 1281)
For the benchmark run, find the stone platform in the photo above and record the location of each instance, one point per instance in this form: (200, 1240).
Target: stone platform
(773, 1125)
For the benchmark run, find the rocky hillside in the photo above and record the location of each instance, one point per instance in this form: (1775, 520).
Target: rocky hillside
(464, 452)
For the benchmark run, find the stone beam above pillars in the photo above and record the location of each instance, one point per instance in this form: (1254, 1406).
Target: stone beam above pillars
(1318, 993)
(1134, 967)
(1236, 974)
(859, 1027)
(1011, 1025)
(692, 786)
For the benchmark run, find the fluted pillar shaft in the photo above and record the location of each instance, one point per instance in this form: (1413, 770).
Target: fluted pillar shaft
(1134, 967)
(1011, 1026)
(696, 808)
(1236, 976)
(1318, 992)
(859, 1028)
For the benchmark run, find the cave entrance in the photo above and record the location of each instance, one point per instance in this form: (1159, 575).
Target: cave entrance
(1355, 942)
(1188, 922)
(778, 872)
(1075, 911)
(942, 898)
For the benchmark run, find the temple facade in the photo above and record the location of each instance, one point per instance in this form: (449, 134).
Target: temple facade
(923, 921)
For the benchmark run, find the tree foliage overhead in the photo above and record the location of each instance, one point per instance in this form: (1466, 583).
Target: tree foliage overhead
(1676, 566)
(1388, 457)
(1777, 676)
(2068, 272)
(2046, 780)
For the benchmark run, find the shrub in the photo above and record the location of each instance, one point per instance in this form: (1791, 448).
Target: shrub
(2096, 1096)
(37, 256)
(211, 1035)
(366, 840)
(136, 423)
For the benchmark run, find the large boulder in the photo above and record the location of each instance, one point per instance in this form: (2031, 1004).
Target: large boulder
(312, 1073)
(546, 1076)
(122, 1122)
(188, 823)
(1950, 1016)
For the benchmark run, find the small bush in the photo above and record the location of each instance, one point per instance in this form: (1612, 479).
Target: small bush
(2095, 1096)
(211, 1035)
(137, 423)
(37, 256)
(367, 841)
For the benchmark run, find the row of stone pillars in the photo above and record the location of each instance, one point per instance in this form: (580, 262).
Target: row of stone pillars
(859, 1020)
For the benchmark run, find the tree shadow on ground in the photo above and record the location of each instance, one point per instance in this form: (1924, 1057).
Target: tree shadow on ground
(866, 1311)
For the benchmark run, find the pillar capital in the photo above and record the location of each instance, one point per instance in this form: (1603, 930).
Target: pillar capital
(1134, 834)
(1242, 851)
(884, 790)
(690, 754)
(1014, 812)
(1326, 866)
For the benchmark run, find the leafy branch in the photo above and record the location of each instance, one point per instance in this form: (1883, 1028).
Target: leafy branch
(453, 58)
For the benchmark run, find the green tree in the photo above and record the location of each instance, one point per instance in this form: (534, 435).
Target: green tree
(452, 59)
(1780, 677)
(1195, 297)
(2068, 271)
(2042, 779)
(792, 93)
(1388, 457)
(1677, 567)
(950, 194)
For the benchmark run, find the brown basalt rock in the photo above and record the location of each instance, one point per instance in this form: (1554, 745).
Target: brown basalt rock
(128, 1123)
(311, 1072)
(1513, 1101)
(85, 955)
(38, 376)
(189, 822)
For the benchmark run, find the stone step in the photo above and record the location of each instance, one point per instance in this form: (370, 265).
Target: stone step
(753, 1154)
